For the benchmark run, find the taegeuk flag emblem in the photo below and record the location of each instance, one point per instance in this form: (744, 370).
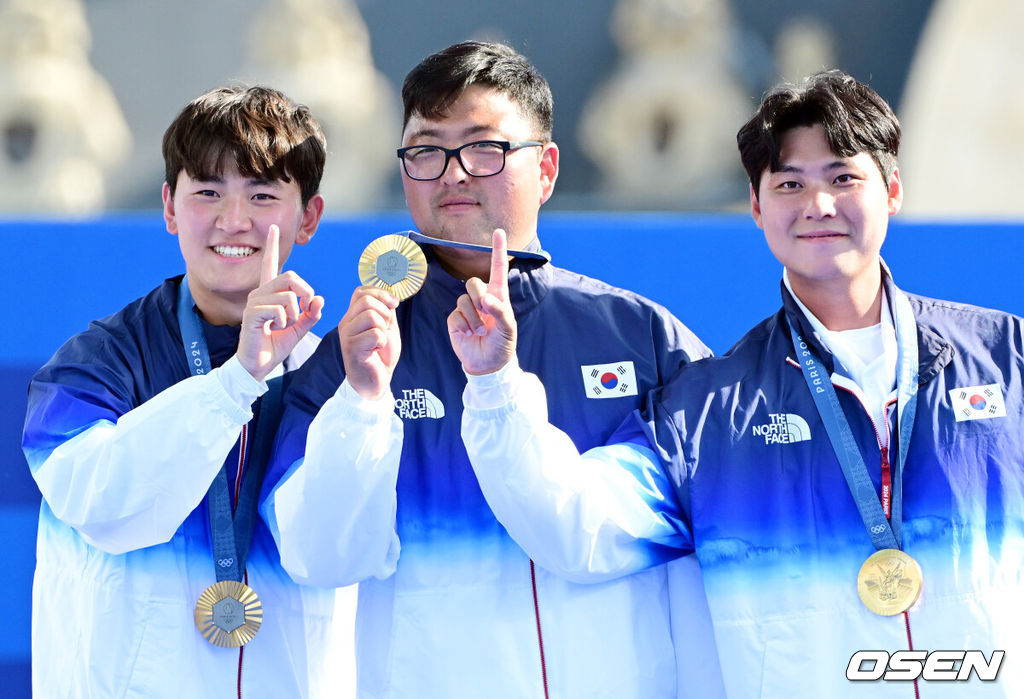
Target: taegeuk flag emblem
(978, 402)
(613, 380)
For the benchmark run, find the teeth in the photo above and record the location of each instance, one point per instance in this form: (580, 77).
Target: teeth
(233, 251)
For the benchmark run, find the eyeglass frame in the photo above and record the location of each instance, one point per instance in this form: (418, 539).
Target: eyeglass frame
(449, 153)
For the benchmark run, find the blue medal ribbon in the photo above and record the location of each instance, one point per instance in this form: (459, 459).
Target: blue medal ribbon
(230, 533)
(885, 533)
(521, 254)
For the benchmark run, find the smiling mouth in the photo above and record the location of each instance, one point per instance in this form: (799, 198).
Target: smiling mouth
(234, 250)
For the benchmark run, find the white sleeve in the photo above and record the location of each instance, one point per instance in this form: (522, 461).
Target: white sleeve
(130, 484)
(591, 517)
(333, 513)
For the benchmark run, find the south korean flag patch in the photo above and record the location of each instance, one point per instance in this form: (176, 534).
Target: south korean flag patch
(613, 380)
(978, 402)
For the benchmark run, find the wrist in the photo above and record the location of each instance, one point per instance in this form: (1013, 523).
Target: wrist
(491, 365)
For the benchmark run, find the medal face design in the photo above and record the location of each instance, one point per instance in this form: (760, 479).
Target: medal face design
(393, 263)
(889, 582)
(228, 614)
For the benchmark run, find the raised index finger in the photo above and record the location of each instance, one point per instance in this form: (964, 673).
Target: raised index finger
(270, 268)
(497, 284)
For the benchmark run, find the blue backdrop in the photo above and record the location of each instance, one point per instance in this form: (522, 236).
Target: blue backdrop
(713, 272)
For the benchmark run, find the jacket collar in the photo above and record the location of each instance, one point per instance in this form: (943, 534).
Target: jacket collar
(934, 352)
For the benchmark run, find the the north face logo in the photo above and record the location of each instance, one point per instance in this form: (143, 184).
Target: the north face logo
(784, 428)
(415, 403)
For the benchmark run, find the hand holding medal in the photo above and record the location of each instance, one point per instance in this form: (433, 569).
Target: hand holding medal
(392, 268)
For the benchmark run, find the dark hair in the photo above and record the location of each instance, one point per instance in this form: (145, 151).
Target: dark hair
(856, 120)
(439, 80)
(266, 135)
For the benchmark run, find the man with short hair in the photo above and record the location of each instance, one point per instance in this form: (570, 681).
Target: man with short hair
(380, 491)
(148, 435)
(850, 474)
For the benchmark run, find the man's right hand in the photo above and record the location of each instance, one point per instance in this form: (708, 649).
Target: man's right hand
(482, 328)
(370, 342)
(274, 320)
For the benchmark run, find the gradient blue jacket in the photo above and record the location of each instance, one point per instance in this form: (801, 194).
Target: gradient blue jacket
(124, 444)
(769, 514)
(449, 605)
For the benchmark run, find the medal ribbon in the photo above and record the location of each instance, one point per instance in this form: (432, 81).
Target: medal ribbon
(522, 254)
(885, 532)
(231, 533)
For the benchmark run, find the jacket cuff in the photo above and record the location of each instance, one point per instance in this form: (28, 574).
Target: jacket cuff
(239, 384)
(377, 407)
(495, 390)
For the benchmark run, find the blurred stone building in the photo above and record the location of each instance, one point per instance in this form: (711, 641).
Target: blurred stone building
(61, 128)
(648, 93)
(962, 113)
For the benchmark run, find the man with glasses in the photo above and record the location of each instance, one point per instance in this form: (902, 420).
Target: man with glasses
(372, 480)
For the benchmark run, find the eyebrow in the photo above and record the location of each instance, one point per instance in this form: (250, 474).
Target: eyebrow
(262, 182)
(249, 182)
(834, 165)
(430, 132)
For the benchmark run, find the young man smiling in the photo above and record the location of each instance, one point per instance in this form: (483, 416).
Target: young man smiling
(449, 605)
(134, 456)
(850, 474)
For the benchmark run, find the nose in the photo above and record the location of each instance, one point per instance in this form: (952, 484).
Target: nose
(454, 173)
(820, 203)
(234, 215)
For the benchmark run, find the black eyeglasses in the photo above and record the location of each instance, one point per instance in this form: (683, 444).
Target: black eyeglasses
(479, 158)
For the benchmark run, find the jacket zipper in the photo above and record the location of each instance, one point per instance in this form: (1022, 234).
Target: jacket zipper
(540, 636)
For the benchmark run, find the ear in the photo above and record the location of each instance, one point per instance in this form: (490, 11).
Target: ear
(755, 208)
(169, 218)
(895, 192)
(311, 216)
(548, 170)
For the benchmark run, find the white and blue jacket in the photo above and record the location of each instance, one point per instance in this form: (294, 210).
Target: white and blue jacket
(384, 494)
(123, 445)
(771, 519)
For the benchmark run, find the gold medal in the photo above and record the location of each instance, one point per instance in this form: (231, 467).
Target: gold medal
(229, 614)
(889, 582)
(393, 263)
